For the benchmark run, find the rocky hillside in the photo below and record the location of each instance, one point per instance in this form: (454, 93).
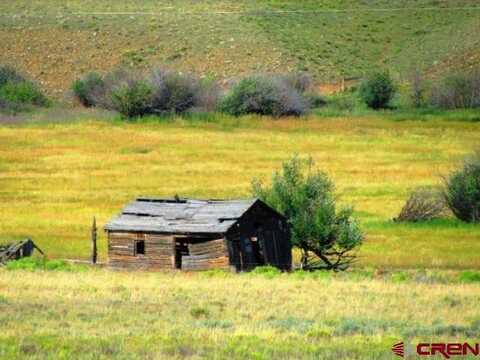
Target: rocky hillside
(55, 41)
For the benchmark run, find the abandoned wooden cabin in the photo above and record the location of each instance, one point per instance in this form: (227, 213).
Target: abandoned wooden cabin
(198, 235)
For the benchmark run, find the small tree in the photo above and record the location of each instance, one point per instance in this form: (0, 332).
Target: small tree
(305, 196)
(462, 190)
(377, 90)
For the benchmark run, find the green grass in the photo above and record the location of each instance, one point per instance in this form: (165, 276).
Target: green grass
(36, 263)
(55, 176)
(103, 314)
(214, 37)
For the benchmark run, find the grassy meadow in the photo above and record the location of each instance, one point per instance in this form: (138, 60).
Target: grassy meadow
(54, 177)
(100, 314)
(62, 165)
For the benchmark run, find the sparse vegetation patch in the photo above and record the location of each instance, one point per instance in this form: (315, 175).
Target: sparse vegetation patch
(18, 93)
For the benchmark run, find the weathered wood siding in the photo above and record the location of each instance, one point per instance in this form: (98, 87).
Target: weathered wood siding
(240, 235)
(212, 254)
(272, 245)
(159, 251)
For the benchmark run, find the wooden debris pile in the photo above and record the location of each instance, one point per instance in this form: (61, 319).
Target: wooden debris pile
(17, 250)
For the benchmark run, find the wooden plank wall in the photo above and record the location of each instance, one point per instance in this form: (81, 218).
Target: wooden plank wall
(273, 239)
(206, 255)
(159, 251)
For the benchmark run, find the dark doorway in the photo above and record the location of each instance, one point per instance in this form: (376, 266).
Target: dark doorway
(139, 247)
(181, 249)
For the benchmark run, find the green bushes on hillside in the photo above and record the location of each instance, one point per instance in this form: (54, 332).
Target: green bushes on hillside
(18, 93)
(131, 96)
(158, 91)
(377, 90)
(161, 91)
(89, 90)
(460, 90)
(266, 95)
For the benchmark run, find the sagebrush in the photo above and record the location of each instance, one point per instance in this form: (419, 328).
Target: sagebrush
(462, 190)
(266, 95)
(90, 89)
(423, 204)
(158, 91)
(458, 90)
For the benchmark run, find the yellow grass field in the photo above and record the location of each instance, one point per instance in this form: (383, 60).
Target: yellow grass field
(101, 314)
(55, 177)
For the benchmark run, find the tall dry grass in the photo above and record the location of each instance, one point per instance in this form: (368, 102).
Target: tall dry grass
(101, 314)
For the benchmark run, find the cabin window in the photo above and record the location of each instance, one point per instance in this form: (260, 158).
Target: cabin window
(139, 247)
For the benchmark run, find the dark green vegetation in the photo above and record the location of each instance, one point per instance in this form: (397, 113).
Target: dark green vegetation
(462, 190)
(305, 196)
(18, 93)
(133, 93)
(267, 95)
(377, 90)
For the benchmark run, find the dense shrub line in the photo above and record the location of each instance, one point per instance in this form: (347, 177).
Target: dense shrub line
(17, 93)
(158, 91)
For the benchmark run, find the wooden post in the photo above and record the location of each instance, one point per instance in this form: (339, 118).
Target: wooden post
(94, 241)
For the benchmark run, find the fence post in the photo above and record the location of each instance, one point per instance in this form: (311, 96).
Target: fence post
(94, 241)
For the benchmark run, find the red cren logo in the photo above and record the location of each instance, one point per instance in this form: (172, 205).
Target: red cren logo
(399, 349)
(446, 350)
